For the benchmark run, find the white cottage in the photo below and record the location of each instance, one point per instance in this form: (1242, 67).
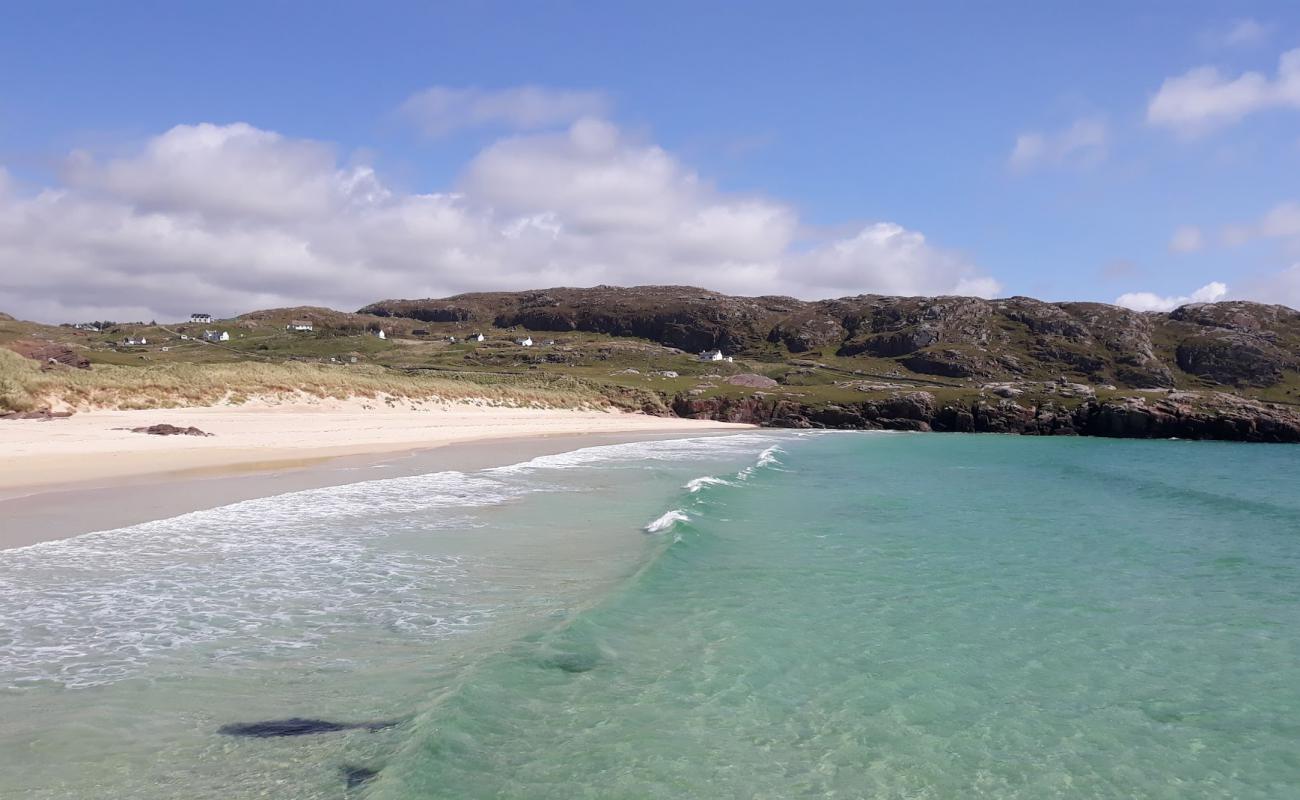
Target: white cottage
(476, 337)
(201, 319)
(301, 325)
(711, 355)
(527, 341)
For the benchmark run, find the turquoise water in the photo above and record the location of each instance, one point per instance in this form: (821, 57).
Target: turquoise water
(830, 616)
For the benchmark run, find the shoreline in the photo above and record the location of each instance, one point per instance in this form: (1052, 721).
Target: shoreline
(59, 480)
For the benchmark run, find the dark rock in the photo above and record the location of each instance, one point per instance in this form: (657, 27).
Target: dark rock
(297, 726)
(164, 429)
(36, 415)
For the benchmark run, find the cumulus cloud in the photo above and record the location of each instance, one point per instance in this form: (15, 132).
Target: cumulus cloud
(1085, 142)
(228, 218)
(440, 110)
(1204, 98)
(1186, 239)
(1150, 301)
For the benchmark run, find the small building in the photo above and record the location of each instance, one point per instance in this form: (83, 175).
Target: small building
(712, 355)
(451, 339)
(549, 342)
(476, 337)
(185, 337)
(216, 336)
(527, 341)
(201, 319)
(301, 325)
(380, 333)
(131, 341)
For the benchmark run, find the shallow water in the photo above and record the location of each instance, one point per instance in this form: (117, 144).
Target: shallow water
(855, 615)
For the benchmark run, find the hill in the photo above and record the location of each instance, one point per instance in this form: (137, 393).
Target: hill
(1225, 370)
(1236, 344)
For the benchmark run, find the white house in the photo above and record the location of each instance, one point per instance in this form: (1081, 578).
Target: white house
(216, 336)
(712, 355)
(299, 325)
(201, 319)
(381, 334)
(132, 341)
(224, 337)
(476, 337)
(527, 341)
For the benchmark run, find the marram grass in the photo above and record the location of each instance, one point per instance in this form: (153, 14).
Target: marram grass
(25, 386)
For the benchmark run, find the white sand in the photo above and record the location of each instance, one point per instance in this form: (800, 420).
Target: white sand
(38, 455)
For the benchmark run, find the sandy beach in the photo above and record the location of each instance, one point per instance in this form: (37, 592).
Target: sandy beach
(61, 477)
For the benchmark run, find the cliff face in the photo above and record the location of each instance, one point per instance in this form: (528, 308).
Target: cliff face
(1183, 415)
(1234, 344)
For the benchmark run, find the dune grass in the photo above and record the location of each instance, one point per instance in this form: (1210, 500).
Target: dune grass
(25, 386)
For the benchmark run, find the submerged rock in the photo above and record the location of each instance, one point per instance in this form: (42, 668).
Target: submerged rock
(357, 776)
(297, 726)
(572, 662)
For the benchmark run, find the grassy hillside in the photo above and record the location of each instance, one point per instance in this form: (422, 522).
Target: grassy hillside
(636, 348)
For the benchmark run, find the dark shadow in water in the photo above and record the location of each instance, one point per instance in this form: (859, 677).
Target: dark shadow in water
(571, 662)
(356, 776)
(298, 726)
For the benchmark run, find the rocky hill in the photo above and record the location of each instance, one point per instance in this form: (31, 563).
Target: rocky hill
(1233, 344)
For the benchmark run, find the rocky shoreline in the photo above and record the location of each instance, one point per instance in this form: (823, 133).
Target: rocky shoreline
(1164, 415)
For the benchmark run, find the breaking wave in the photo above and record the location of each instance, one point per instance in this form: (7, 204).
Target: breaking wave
(276, 574)
(667, 521)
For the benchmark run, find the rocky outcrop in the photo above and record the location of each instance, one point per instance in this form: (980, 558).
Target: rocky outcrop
(1234, 358)
(1183, 415)
(49, 353)
(752, 381)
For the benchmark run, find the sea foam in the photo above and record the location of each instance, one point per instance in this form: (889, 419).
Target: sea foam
(278, 573)
(667, 521)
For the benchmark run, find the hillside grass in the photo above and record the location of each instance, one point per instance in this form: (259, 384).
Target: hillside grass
(25, 386)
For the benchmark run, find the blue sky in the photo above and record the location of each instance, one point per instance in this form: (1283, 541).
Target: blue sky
(1065, 152)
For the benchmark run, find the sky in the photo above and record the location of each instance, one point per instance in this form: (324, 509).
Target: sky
(159, 159)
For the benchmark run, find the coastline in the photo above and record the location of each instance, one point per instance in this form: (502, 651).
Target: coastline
(65, 477)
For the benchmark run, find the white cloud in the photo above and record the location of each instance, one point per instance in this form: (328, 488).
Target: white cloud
(440, 110)
(1281, 287)
(1186, 239)
(1245, 32)
(1280, 222)
(1203, 98)
(232, 218)
(892, 260)
(1084, 143)
(1150, 301)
